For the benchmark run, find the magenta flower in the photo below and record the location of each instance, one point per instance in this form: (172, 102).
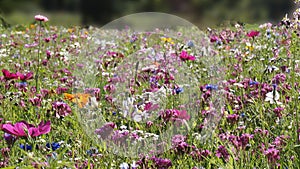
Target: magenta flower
(61, 109)
(272, 154)
(162, 163)
(222, 153)
(24, 77)
(41, 18)
(180, 115)
(23, 129)
(253, 34)
(185, 56)
(232, 118)
(214, 38)
(8, 75)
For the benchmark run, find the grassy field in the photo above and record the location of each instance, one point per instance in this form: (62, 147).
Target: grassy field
(181, 98)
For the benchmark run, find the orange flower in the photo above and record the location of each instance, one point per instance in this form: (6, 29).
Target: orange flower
(81, 99)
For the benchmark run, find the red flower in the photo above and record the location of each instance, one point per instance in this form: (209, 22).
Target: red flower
(8, 75)
(252, 34)
(23, 129)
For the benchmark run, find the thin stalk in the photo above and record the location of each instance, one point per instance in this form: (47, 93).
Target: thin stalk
(38, 61)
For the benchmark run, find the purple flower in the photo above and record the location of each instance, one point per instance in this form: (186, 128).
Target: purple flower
(244, 139)
(162, 163)
(106, 130)
(222, 153)
(232, 118)
(9, 138)
(61, 109)
(279, 78)
(272, 154)
(278, 111)
(200, 154)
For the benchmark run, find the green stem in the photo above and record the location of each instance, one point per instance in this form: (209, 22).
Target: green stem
(38, 62)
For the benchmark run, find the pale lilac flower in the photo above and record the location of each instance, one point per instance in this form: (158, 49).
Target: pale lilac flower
(41, 18)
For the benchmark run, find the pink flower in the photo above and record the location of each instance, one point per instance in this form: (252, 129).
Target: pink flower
(19, 128)
(8, 75)
(185, 56)
(26, 76)
(252, 34)
(41, 18)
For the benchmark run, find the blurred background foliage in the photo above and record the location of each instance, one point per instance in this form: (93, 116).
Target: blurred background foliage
(203, 13)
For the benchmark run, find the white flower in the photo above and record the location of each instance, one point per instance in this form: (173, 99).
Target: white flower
(124, 166)
(272, 97)
(134, 165)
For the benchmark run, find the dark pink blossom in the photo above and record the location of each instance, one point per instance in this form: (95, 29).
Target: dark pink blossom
(8, 75)
(253, 34)
(185, 56)
(23, 129)
(25, 76)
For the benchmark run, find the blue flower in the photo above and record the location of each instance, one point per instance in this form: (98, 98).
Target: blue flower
(54, 145)
(92, 151)
(253, 82)
(243, 115)
(26, 147)
(190, 44)
(211, 87)
(23, 84)
(179, 90)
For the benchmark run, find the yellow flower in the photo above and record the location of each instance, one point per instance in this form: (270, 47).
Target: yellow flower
(249, 47)
(167, 40)
(32, 26)
(71, 30)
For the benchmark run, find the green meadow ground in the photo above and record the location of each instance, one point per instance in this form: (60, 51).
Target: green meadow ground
(257, 78)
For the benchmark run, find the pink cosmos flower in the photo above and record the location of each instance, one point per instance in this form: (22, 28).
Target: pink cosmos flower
(185, 56)
(41, 18)
(23, 129)
(8, 75)
(25, 76)
(252, 34)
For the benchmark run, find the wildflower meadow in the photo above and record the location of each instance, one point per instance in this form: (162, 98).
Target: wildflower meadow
(145, 95)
